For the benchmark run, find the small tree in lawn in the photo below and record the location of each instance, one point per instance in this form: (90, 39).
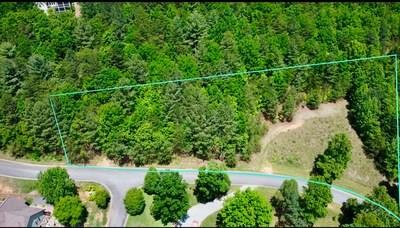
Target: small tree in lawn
(70, 211)
(211, 183)
(151, 181)
(245, 209)
(171, 201)
(287, 205)
(55, 183)
(315, 200)
(134, 201)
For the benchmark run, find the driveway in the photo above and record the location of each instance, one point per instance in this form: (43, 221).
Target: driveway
(119, 180)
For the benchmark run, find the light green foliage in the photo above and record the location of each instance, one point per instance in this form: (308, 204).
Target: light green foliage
(55, 183)
(245, 209)
(70, 211)
(211, 183)
(134, 201)
(171, 201)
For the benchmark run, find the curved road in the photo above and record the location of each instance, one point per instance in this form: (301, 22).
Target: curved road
(119, 180)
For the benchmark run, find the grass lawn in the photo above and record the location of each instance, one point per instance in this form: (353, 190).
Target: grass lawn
(331, 220)
(145, 219)
(293, 152)
(97, 217)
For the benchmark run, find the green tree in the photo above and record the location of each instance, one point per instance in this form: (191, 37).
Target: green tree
(134, 201)
(55, 183)
(151, 181)
(287, 205)
(332, 163)
(315, 201)
(70, 211)
(245, 209)
(211, 183)
(171, 201)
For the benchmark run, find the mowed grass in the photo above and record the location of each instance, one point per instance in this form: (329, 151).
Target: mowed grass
(293, 152)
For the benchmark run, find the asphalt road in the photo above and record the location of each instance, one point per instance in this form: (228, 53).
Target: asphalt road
(119, 180)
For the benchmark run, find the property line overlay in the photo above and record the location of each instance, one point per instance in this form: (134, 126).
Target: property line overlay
(249, 73)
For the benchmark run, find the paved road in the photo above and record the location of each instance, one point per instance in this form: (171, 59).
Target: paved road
(119, 180)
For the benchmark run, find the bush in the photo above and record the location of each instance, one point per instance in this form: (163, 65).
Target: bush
(313, 100)
(101, 198)
(55, 183)
(70, 211)
(134, 201)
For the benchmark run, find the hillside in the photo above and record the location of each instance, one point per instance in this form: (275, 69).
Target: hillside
(118, 44)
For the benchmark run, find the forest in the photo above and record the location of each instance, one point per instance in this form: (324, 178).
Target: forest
(118, 44)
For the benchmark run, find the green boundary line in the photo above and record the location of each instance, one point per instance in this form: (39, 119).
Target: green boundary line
(220, 76)
(59, 131)
(253, 72)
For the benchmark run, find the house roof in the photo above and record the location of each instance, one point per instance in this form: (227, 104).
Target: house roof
(14, 212)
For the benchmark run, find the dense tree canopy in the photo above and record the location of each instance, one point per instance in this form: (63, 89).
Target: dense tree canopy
(246, 208)
(118, 44)
(55, 183)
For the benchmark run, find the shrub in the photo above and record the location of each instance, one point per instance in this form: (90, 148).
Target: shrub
(101, 198)
(70, 211)
(134, 201)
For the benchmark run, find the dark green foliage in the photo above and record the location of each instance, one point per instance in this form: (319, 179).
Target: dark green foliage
(287, 205)
(245, 209)
(101, 197)
(55, 183)
(151, 181)
(134, 201)
(211, 183)
(118, 44)
(349, 210)
(70, 211)
(171, 201)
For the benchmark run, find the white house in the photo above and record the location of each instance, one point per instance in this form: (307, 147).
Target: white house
(58, 6)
